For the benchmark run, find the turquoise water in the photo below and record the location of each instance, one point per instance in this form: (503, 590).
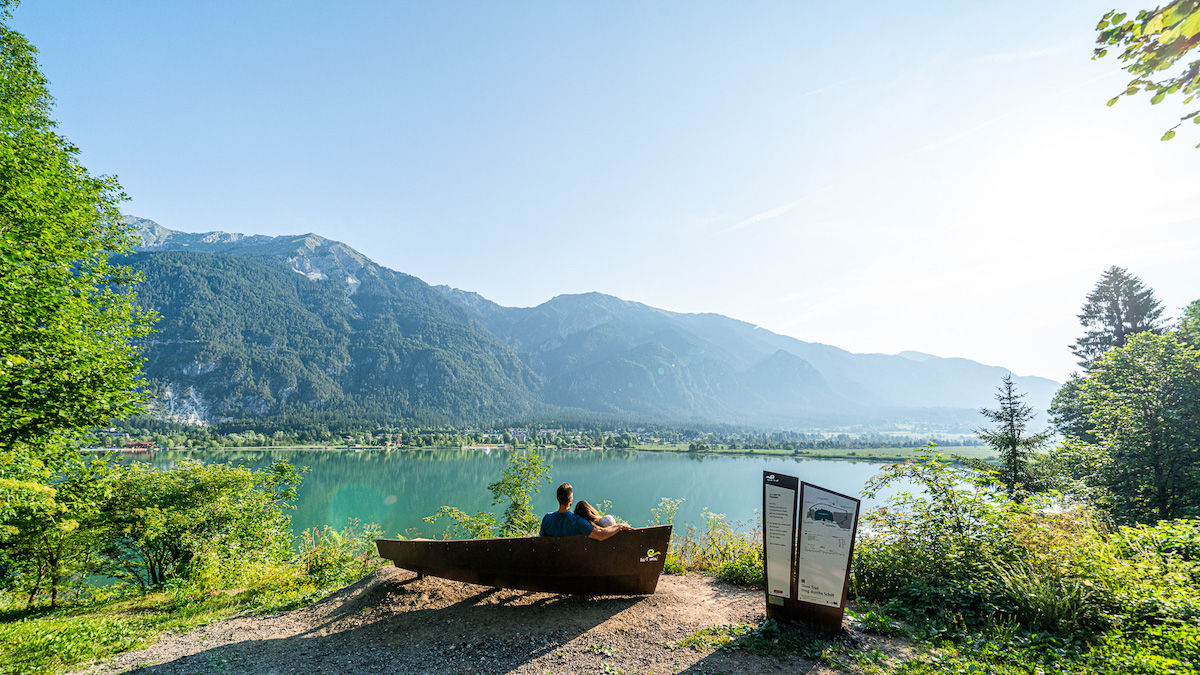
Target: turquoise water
(397, 489)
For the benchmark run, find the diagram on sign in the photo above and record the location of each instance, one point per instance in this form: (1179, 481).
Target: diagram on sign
(826, 537)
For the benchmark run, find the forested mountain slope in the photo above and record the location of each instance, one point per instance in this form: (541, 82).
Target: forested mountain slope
(576, 342)
(289, 327)
(245, 335)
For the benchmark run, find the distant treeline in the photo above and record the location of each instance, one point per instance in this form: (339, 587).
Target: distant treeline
(317, 432)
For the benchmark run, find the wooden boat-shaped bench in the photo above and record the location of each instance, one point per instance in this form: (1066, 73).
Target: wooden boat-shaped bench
(627, 563)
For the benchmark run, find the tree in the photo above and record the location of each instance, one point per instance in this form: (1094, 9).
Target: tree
(1011, 441)
(1153, 42)
(1119, 306)
(1143, 401)
(58, 538)
(521, 479)
(1068, 414)
(66, 360)
(196, 520)
(1189, 325)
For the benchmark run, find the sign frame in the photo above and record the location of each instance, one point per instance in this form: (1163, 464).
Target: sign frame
(792, 609)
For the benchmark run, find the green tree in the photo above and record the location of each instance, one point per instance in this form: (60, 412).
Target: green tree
(1153, 42)
(1143, 401)
(58, 538)
(1068, 414)
(197, 521)
(1119, 306)
(522, 478)
(1011, 440)
(1188, 329)
(66, 363)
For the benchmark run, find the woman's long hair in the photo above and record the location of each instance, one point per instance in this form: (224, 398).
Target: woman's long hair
(587, 512)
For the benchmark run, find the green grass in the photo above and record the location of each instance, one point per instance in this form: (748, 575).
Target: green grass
(115, 619)
(44, 641)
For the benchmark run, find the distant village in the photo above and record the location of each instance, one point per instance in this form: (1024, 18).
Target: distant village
(559, 438)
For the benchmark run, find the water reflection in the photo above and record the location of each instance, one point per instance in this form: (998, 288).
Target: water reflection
(397, 489)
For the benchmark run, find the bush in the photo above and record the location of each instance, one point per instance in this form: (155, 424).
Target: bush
(719, 549)
(1029, 588)
(212, 523)
(330, 556)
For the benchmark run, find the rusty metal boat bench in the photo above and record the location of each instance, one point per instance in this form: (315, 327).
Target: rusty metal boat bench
(627, 563)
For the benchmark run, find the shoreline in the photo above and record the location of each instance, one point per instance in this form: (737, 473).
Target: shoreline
(886, 455)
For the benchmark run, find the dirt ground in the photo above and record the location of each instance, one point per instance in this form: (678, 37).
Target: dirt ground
(392, 622)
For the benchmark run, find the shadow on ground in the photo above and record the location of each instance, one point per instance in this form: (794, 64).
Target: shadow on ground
(409, 626)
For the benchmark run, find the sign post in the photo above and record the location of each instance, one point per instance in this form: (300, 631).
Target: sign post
(815, 542)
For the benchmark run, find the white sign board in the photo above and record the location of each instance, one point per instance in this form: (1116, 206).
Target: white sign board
(779, 531)
(827, 521)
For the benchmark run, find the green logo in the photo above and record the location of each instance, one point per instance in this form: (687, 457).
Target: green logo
(650, 553)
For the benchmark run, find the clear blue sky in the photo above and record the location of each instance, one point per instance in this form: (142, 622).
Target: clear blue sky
(943, 177)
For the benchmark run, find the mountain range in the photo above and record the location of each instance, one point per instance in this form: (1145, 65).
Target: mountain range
(286, 327)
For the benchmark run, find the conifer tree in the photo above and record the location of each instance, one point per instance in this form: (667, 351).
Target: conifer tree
(1119, 306)
(1011, 440)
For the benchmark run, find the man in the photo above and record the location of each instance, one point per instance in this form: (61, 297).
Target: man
(563, 523)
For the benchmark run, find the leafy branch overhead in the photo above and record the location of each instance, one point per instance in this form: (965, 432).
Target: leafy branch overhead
(1153, 42)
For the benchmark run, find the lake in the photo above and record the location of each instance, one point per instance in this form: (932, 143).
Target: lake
(397, 489)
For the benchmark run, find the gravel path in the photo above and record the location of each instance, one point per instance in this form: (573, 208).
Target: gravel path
(392, 622)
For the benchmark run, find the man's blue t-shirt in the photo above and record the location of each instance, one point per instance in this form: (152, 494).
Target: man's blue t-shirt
(564, 525)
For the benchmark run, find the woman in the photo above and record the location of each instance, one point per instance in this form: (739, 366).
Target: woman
(589, 513)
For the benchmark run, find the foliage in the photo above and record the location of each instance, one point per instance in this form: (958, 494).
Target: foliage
(482, 525)
(1152, 42)
(65, 360)
(771, 639)
(712, 637)
(521, 479)
(330, 556)
(720, 549)
(109, 620)
(1143, 401)
(1010, 440)
(664, 513)
(1188, 330)
(196, 521)
(871, 619)
(932, 545)
(1067, 412)
(1118, 307)
(1028, 589)
(56, 541)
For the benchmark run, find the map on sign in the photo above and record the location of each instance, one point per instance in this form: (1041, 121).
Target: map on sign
(826, 535)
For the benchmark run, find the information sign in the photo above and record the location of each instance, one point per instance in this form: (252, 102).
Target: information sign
(827, 524)
(808, 541)
(779, 533)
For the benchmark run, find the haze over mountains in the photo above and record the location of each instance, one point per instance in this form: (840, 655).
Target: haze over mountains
(281, 327)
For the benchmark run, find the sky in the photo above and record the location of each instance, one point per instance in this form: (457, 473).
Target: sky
(942, 177)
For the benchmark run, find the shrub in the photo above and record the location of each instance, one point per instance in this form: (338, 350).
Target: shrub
(330, 556)
(211, 522)
(719, 549)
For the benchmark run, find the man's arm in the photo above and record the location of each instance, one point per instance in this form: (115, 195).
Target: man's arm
(602, 533)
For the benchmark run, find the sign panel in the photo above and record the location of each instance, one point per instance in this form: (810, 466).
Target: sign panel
(827, 524)
(779, 533)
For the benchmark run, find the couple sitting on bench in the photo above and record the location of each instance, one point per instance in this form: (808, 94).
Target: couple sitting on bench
(564, 523)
